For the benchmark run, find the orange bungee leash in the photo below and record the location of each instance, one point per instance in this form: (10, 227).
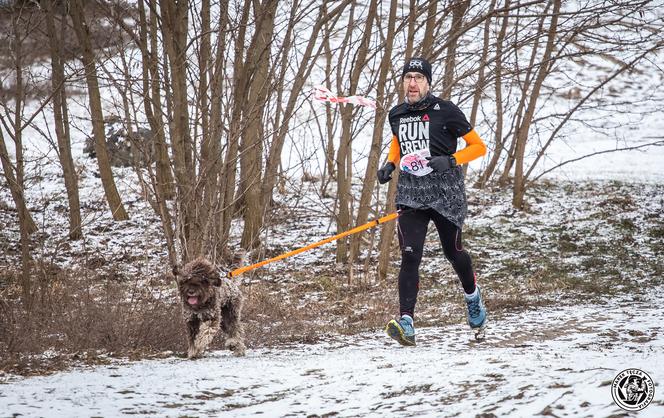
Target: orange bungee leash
(370, 224)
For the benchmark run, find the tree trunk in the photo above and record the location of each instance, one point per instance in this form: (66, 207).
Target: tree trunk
(344, 154)
(387, 234)
(458, 11)
(15, 175)
(429, 37)
(88, 58)
(60, 115)
(525, 93)
(211, 164)
(206, 179)
(26, 224)
(175, 22)
(251, 146)
(16, 189)
(522, 133)
(152, 103)
(226, 204)
(343, 178)
(377, 136)
(499, 141)
(330, 168)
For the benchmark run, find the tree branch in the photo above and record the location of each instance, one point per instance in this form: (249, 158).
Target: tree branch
(650, 144)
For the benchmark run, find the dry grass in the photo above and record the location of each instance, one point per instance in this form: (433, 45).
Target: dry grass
(77, 316)
(76, 313)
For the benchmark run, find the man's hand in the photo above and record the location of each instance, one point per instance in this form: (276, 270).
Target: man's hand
(441, 162)
(384, 174)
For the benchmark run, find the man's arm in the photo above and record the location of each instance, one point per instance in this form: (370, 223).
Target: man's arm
(475, 148)
(394, 156)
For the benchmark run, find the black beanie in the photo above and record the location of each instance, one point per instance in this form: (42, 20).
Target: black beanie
(418, 65)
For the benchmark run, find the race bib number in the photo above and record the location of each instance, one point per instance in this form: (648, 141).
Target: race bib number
(416, 162)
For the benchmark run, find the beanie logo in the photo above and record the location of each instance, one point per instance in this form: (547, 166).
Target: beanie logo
(416, 64)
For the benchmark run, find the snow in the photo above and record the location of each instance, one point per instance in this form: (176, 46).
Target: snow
(555, 361)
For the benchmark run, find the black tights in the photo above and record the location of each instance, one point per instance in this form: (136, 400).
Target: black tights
(412, 228)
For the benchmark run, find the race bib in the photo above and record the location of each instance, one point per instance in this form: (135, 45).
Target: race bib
(416, 162)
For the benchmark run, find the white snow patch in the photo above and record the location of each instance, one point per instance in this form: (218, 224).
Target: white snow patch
(558, 359)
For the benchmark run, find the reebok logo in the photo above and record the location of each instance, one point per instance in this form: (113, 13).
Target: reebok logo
(410, 119)
(436, 107)
(425, 118)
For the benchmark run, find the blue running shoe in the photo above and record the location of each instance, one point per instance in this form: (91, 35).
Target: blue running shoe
(402, 330)
(476, 312)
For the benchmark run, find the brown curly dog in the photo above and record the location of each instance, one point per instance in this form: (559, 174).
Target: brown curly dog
(209, 303)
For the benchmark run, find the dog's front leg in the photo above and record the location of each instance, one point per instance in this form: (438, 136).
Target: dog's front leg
(231, 325)
(193, 327)
(206, 333)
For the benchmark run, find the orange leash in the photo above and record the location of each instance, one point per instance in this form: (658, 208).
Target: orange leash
(370, 224)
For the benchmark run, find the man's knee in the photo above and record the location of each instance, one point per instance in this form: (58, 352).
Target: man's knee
(410, 255)
(455, 256)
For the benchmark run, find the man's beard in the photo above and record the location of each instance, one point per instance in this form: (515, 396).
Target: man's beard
(421, 103)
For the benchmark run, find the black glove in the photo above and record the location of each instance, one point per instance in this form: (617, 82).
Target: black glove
(384, 173)
(441, 162)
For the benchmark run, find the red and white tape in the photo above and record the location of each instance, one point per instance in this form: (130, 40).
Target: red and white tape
(325, 95)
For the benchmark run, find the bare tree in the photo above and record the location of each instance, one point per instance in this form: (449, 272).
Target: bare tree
(387, 234)
(344, 164)
(522, 131)
(429, 37)
(152, 100)
(307, 63)
(458, 11)
(175, 23)
(76, 10)
(498, 74)
(382, 96)
(222, 87)
(11, 121)
(257, 66)
(61, 119)
(227, 177)
(481, 77)
(524, 80)
(330, 167)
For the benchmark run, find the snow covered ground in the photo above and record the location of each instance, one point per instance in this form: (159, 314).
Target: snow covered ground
(553, 361)
(556, 361)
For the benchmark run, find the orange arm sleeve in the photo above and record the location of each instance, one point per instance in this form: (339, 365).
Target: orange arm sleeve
(394, 155)
(475, 148)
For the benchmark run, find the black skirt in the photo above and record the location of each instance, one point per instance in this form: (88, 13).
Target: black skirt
(443, 192)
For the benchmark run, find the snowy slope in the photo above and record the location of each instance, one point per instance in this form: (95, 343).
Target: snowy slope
(557, 362)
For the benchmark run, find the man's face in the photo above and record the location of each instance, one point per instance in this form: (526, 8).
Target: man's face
(415, 86)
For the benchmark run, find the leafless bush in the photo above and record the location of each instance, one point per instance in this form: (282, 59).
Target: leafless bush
(78, 315)
(76, 312)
